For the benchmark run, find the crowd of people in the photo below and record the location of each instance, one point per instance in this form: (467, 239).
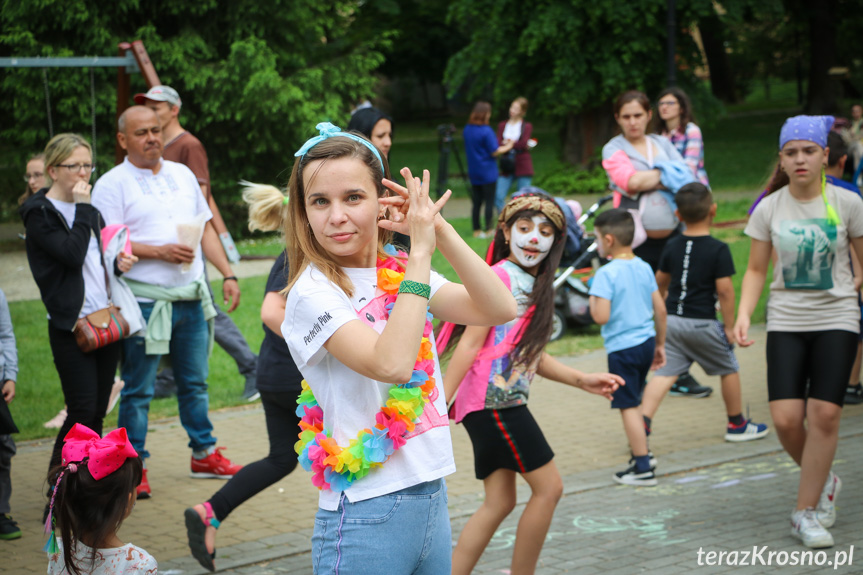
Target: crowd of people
(350, 362)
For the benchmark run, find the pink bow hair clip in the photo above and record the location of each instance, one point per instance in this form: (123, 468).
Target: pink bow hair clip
(106, 454)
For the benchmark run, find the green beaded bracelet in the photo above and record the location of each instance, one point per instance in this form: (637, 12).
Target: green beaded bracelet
(416, 288)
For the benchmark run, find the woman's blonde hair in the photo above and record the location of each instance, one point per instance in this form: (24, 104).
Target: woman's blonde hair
(268, 207)
(61, 147)
(268, 211)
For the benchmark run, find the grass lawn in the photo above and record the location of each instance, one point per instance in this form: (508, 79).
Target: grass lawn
(739, 152)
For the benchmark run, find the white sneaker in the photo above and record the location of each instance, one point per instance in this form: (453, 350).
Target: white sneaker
(805, 527)
(826, 510)
(57, 421)
(116, 388)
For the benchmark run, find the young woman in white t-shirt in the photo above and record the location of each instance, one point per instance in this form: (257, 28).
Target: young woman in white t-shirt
(813, 317)
(375, 433)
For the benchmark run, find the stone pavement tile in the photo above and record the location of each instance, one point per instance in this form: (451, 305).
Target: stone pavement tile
(585, 434)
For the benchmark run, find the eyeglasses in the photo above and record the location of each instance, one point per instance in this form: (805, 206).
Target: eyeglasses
(33, 176)
(667, 103)
(75, 168)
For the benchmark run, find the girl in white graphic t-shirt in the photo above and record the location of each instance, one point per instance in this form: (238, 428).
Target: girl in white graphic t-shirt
(813, 316)
(357, 322)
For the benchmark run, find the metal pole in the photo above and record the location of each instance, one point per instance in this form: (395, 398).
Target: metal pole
(672, 37)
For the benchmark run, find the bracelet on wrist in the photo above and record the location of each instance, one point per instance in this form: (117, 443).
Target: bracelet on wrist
(415, 288)
(226, 278)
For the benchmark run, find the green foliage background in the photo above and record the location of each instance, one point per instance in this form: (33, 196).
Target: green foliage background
(255, 77)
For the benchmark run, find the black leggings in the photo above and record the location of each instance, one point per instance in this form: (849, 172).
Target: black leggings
(280, 410)
(821, 358)
(86, 379)
(482, 194)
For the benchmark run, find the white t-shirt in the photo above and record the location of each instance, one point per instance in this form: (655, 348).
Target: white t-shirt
(512, 131)
(125, 560)
(813, 286)
(314, 310)
(152, 205)
(95, 293)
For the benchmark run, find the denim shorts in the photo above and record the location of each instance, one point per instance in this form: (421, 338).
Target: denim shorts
(403, 533)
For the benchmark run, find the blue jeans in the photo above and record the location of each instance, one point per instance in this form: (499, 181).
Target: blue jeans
(503, 185)
(189, 342)
(403, 533)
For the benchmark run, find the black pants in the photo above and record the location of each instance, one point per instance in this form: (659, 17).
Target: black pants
(479, 195)
(280, 410)
(86, 379)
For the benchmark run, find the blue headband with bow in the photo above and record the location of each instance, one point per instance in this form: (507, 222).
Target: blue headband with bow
(328, 130)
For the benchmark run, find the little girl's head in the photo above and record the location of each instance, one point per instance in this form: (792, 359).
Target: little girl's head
(94, 489)
(333, 205)
(531, 233)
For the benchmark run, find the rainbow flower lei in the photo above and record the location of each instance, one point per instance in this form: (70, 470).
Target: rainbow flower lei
(336, 467)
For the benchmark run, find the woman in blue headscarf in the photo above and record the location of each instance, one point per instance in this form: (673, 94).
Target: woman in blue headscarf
(813, 318)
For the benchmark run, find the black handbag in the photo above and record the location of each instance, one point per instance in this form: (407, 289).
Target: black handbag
(506, 162)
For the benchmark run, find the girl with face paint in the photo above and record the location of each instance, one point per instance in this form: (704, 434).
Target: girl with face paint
(491, 368)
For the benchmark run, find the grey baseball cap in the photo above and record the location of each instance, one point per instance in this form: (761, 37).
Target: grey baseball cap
(160, 94)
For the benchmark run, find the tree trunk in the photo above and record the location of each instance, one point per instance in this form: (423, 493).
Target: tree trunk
(721, 76)
(585, 133)
(822, 56)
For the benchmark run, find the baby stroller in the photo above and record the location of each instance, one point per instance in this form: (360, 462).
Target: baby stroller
(571, 293)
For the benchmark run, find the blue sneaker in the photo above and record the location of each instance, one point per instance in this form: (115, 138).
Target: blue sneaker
(746, 431)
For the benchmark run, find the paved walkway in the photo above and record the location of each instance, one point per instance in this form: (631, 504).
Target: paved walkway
(712, 494)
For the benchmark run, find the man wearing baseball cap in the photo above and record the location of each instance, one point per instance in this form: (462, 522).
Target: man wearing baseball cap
(183, 147)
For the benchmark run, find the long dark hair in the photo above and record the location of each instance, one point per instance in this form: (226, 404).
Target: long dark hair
(686, 113)
(538, 330)
(90, 511)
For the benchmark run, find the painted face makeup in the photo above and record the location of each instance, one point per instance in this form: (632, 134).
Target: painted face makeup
(530, 240)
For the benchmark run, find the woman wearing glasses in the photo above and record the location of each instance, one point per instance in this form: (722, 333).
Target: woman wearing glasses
(677, 123)
(64, 251)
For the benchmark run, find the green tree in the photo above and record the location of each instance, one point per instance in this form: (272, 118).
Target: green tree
(255, 77)
(570, 58)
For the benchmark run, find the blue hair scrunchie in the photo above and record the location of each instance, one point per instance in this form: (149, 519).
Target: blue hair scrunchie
(328, 130)
(810, 128)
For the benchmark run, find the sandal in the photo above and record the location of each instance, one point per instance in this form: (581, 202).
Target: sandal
(196, 529)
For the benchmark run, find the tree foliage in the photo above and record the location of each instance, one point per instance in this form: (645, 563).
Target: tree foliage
(255, 77)
(570, 58)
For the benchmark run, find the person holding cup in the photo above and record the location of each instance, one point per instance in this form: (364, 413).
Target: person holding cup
(151, 196)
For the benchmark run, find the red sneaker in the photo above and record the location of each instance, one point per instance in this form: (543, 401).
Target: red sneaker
(143, 488)
(214, 466)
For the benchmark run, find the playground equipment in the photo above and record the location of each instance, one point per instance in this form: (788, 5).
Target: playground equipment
(132, 59)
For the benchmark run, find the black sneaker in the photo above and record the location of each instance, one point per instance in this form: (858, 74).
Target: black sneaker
(8, 528)
(854, 394)
(686, 386)
(633, 477)
(653, 460)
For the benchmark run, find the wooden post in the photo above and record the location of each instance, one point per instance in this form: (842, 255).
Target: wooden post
(123, 95)
(124, 92)
(144, 63)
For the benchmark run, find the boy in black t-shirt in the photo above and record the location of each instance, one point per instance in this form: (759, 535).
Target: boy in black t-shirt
(694, 273)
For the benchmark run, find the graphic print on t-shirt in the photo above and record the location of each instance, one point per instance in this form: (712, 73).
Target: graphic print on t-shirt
(375, 315)
(807, 250)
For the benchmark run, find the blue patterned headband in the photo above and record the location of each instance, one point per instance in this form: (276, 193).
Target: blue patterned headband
(810, 128)
(328, 130)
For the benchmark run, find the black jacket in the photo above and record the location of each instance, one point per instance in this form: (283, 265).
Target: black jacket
(56, 254)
